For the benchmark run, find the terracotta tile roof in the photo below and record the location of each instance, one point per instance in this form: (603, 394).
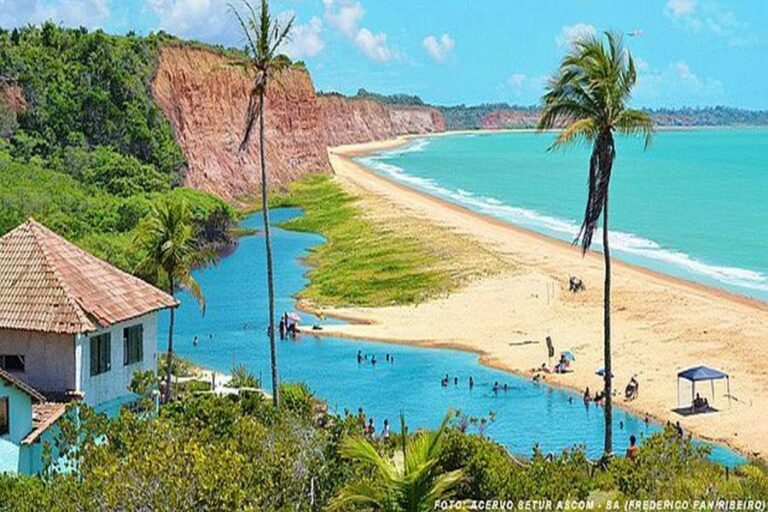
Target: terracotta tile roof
(43, 416)
(49, 284)
(18, 383)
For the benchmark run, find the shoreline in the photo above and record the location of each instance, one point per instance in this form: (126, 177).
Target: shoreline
(380, 324)
(350, 151)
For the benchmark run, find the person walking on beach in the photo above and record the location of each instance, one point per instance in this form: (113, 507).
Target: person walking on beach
(385, 430)
(633, 449)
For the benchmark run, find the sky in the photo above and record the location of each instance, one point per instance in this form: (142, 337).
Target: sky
(688, 52)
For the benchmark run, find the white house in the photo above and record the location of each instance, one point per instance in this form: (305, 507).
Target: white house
(71, 325)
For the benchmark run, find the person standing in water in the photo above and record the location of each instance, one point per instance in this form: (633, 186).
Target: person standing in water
(359, 356)
(471, 383)
(282, 328)
(195, 341)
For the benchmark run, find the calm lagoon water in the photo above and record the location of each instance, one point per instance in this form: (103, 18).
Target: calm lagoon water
(236, 318)
(694, 205)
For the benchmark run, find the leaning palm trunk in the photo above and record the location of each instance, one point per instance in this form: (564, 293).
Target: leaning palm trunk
(169, 356)
(608, 378)
(597, 204)
(268, 247)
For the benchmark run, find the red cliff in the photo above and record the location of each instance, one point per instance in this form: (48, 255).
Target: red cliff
(354, 120)
(205, 99)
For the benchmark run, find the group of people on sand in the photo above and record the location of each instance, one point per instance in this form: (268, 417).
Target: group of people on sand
(363, 358)
(369, 428)
(700, 404)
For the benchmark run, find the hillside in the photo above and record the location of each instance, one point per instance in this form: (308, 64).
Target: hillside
(83, 146)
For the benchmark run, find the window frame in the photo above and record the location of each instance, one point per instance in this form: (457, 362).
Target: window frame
(4, 364)
(102, 356)
(5, 404)
(137, 354)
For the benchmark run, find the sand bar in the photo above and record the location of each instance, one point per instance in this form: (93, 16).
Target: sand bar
(661, 324)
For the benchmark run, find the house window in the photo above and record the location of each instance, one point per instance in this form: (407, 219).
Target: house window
(101, 354)
(12, 363)
(133, 344)
(5, 422)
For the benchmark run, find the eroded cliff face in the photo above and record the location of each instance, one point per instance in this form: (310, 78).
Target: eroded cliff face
(355, 120)
(205, 99)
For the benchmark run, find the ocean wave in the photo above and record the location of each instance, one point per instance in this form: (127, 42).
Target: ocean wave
(415, 146)
(628, 243)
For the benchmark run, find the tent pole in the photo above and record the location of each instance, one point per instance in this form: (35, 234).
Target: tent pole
(713, 390)
(693, 393)
(728, 383)
(678, 391)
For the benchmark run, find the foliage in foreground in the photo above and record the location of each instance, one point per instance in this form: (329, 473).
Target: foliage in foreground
(239, 453)
(360, 263)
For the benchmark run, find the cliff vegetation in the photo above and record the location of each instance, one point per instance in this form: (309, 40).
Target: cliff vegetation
(84, 148)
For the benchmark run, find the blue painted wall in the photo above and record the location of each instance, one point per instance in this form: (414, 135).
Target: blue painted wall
(13, 458)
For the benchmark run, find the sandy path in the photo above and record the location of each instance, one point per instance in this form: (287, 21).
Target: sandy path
(660, 324)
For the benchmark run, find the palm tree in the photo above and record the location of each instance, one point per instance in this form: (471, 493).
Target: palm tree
(409, 482)
(264, 36)
(166, 241)
(588, 98)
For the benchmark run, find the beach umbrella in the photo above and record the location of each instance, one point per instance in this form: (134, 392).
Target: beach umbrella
(569, 355)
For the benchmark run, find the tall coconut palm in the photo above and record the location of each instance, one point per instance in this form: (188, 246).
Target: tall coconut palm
(166, 241)
(587, 97)
(264, 36)
(408, 482)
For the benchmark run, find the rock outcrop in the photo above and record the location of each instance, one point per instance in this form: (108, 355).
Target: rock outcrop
(12, 97)
(205, 99)
(355, 120)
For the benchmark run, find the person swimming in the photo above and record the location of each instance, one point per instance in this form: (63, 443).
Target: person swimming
(471, 382)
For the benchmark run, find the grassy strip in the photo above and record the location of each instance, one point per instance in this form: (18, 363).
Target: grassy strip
(364, 262)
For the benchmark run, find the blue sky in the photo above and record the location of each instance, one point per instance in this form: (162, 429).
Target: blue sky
(689, 52)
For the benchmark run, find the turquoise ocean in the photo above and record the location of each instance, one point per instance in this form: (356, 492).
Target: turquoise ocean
(694, 205)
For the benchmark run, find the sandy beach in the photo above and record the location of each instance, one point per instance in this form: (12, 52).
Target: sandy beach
(660, 324)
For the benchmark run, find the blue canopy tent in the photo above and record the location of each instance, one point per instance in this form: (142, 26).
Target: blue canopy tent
(698, 374)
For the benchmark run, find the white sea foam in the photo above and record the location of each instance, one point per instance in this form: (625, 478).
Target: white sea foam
(627, 243)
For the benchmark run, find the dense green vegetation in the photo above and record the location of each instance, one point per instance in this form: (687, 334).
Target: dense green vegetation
(360, 263)
(240, 453)
(90, 151)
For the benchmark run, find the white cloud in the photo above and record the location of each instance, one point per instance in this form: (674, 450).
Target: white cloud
(305, 40)
(676, 84)
(516, 79)
(73, 13)
(711, 18)
(373, 46)
(345, 16)
(209, 20)
(439, 49)
(678, 8)
(571, 33)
